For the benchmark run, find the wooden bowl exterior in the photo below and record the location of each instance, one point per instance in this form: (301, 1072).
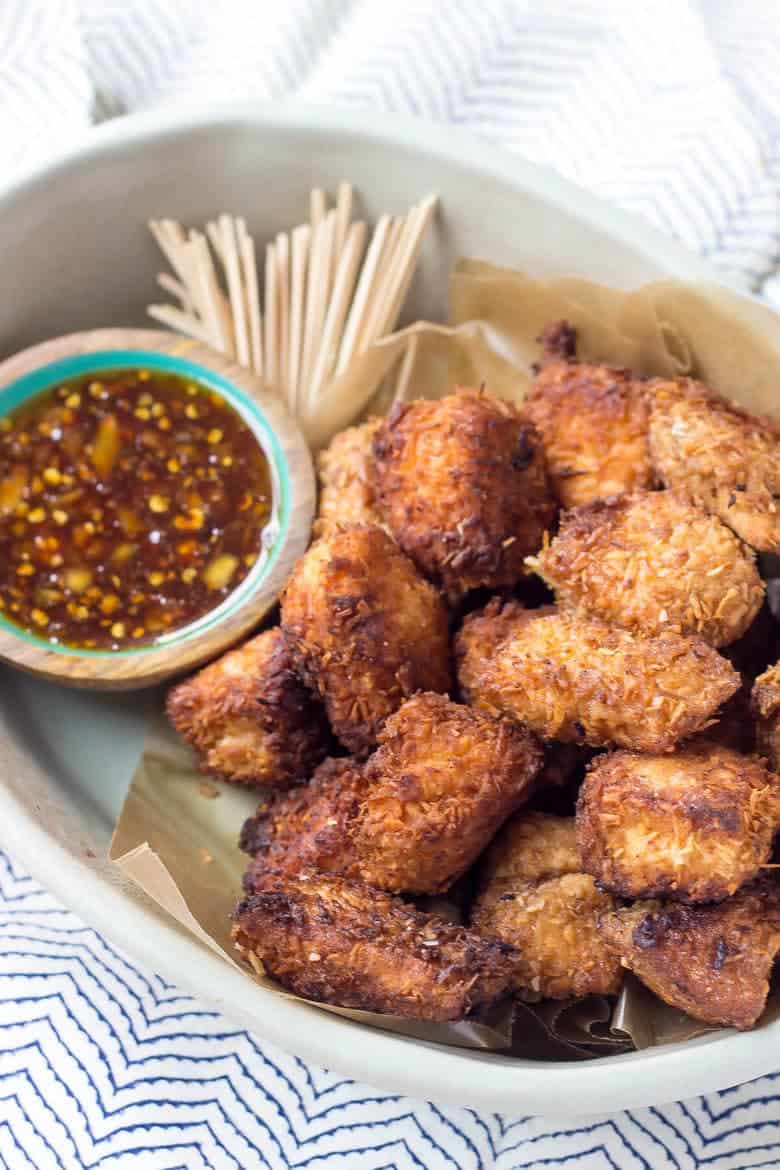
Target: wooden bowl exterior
(141, 668)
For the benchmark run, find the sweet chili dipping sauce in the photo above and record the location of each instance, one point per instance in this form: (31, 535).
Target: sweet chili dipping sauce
(132, 502)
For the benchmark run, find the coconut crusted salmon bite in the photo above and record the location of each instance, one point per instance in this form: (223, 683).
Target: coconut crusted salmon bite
(507, 673)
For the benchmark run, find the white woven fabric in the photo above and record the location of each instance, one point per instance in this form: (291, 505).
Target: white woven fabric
(671, 109)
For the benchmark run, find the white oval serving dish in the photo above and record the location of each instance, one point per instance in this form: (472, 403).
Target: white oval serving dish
(76, 254)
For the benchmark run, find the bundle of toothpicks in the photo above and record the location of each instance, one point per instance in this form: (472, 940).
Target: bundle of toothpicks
(326, 293)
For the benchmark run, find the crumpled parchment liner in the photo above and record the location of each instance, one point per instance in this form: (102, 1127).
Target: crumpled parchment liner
(178, 841)
(181, 847)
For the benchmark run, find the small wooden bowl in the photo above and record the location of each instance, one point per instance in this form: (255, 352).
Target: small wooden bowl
(42, 366)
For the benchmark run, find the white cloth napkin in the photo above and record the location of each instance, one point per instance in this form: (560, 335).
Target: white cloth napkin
(671, 109)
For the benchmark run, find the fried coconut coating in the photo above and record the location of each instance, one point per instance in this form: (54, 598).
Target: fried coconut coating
(534, 896)
(442, 781)
(652, 562)
(365, 630)
(338, 941)
(712, 962)
(594, 425)
(765, 705)
(463, 485)
(249, 717)
(693, 826)
(581, 681)
(346, 482)
(416, 815)
(309, 826)
(728, 461)
(478, 640)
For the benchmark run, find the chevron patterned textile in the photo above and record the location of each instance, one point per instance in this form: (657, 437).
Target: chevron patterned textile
(670, 109)
(103, 1064)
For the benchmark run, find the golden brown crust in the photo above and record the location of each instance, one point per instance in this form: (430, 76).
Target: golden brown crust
(766, 692)
(531, 847)
(534, 896)
(420, 810)
(463, 485)
(593, 423)
(339, 942)
(478, 641)
(346, 480)
(249, 717)
(581, 681)
(694, 826)
(653, 562)
(765, 705)
(712, 962)
(365, 630)
(310, 826)
(727, 460)
(442, 781)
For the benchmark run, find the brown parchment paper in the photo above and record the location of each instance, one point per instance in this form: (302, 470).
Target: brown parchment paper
(664, 328)
(177, 838)
(178, 841)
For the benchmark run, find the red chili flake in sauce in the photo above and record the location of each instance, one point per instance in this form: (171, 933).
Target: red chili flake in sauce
(132, 502)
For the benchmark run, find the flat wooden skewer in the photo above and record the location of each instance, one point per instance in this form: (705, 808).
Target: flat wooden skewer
(232, 265)
(316, 299)
(180, 322)
(326, 293)
(283, 324)
(379, 288)
(170, 239)
(301, 239)
(271, 324)
(246, 247)
(362, 294)
(343, 289)
(176, 289)
(420, 218)
(211, 301)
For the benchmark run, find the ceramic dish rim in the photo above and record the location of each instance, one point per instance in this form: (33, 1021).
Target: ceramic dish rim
(455, 1076)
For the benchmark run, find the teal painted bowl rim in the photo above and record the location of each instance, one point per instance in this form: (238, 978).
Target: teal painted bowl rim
(77, 365)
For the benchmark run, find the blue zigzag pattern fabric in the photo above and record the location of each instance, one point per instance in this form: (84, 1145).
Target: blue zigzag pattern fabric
(669, 109)
(105, 1065)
